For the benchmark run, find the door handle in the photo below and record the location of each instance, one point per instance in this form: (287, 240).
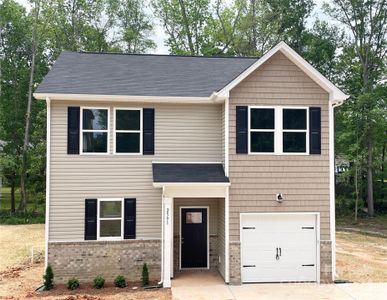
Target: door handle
(182, 240)
(277, 256)
(280, 251)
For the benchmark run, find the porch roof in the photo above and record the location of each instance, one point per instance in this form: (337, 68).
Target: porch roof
(189, 173)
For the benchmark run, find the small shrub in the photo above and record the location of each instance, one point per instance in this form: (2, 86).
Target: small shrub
(145, 275)
(73, 284)
(48, 278)
(98, 282)
(120, 281)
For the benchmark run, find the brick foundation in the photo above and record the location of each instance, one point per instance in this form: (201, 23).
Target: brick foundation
(325, 261)
(235, 263)
(86, 260)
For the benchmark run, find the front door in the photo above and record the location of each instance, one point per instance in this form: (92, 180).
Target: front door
(194, 244)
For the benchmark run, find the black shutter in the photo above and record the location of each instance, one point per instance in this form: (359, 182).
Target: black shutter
(314, 130)
(73, 130)
(148, 147)
(90, 219)
(130, 218)
(241, 129)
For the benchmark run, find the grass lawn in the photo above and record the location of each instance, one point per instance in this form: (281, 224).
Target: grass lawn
(378, 224)
(35, 209)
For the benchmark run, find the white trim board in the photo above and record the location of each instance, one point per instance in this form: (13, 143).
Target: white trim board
(208, 236)
(48, 179)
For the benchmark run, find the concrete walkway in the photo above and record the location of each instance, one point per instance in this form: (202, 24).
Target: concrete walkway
(208, 285)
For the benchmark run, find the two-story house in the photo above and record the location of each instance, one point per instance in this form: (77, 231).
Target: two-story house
(187, 162)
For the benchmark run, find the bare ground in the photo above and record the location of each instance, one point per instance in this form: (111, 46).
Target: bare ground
(360, 257)
(18, 242)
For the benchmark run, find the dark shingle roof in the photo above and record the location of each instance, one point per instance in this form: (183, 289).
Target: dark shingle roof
(141, 75)
(181, 172)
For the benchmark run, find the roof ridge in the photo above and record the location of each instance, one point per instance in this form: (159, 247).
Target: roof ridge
(166, 55)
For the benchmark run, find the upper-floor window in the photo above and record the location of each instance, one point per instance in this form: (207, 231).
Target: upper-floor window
(295, 128)
(278, 130)
(94, 130)
(128, 131)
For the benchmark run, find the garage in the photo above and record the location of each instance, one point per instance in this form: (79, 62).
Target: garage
(279, 247)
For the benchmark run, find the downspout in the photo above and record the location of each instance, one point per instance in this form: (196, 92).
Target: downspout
(48, 158)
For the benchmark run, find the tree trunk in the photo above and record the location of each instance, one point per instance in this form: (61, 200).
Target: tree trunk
(23, 177)
(186, 26)
(356, 192)
(13, 208)
(370, 190)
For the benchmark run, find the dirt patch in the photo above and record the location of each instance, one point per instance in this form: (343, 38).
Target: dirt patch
(361, 258)
(21, 282)
(18, 242)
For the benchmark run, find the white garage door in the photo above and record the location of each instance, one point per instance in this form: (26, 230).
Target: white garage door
(279, 247)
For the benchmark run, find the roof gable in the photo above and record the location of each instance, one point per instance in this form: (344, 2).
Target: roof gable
(335, 93)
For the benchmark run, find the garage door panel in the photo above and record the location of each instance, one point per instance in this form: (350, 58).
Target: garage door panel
(295, 234)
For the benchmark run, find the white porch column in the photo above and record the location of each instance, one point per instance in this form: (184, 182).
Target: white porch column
(168, 229)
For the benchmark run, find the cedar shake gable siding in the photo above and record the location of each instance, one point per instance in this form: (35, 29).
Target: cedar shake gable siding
(255, 179)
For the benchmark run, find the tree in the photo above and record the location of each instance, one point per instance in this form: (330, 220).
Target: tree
(184, 22)
(367, 22)
(135, 27)
(23, 177)
(15, 47)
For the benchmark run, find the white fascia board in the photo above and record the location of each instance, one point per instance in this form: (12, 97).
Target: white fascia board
(182, 184)
(122, 98)
(293, 56)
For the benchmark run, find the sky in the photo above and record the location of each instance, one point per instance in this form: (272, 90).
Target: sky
(159, 34)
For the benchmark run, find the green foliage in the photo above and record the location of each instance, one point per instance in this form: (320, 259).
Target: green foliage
(48, 278)
(21, 218)
(145, 275)
(98, 282)
(73, 283)
(120, 281)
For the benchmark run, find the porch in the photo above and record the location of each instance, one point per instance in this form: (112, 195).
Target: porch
(194, 218)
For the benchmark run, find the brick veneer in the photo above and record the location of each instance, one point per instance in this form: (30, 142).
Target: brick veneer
(85, 260)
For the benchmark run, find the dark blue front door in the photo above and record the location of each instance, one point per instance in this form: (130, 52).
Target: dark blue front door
(194, 238)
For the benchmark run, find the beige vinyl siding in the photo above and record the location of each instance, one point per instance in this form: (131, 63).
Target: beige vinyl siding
(256, 179)
(182, 133)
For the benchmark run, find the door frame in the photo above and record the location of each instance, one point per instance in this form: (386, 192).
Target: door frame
(318, 236)
(208, 236)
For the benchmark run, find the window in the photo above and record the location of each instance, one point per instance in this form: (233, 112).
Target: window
(95, 130)
(262, 130)
(110, 225)
(278, 130)
(294, 130)
(128, 127)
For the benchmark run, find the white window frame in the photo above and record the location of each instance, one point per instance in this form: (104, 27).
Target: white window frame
(261, 130)
(278, 130)
(107, 130)
(306, 131)
(140, 131)
(115, 238)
